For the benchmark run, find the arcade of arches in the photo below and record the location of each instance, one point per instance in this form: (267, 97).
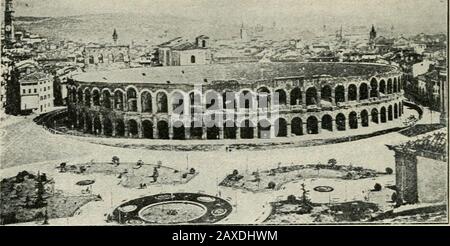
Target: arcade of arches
(284, 126)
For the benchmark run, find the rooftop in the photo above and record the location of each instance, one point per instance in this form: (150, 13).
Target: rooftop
(241, 72)
(34, 77)
(432, 145)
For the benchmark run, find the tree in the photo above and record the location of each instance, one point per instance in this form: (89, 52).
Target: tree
(155, 174)
(377, 187)
(40, 190)
(305, 197)
(389, 170)
(271, 185)
(291, 199)
(115, 160)
(235, 172)
(332, 162)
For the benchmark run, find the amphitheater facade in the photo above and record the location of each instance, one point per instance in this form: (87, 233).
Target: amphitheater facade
(235, 101)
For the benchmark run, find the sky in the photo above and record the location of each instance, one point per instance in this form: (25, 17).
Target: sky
(409, 14)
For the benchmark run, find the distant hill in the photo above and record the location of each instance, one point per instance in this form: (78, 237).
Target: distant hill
(99, 27)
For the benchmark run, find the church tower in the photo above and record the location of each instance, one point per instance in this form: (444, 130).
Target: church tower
(373, 34)
(115, 36)
(9, 26)
(243, 33)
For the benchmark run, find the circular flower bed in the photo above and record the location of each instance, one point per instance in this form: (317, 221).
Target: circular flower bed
(323, 188)
(172, 208)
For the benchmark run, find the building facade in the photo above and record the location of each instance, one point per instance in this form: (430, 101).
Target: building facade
(36, 93)
(421, 169)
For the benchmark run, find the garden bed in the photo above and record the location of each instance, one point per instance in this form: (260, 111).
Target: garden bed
(28, 197)
(274, 179)
(133, 175)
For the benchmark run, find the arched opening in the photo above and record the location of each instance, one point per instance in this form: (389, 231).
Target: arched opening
(229, 130)
(120, 128)
(325, 93)
(247, 129)
(229, 100)
(264, 129)
(161, 100)
(203, 43)
(383, 115)
(297, 126)
(133, 128)
(177, 103)
(97, 126)
(118, 100)
(87, 98)
(364, 118)
(363, 91)
(212, 100)
(373, 88)
(246, 99)
(146, 102)
(353, 120)
(88, 123)
(147, 129)
(352, 93)
(120, 58)
(91, 60)
(339, 94)
(132, 99)
(280, 97)
(80, 124)
(383, 87)
(400, 109)
(311, 96)
(192, 59)
(327, 123)
(296, 96)
(80, 96)
(390, 113)
(178, 130)
(163, 129)
(106, 99)
(108, 127)
(263, 97)
(395, 111)
(196, 130)
(212, 132)
(96, 98)
(389, 86)
(195, 100)
(395, 85)
(100, 58)
(312, 125)
(374, 115)
(280, 127)
(73, 94)
(340, 122)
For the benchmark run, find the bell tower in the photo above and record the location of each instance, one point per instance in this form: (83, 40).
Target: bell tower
(115, 36)
(9, 26)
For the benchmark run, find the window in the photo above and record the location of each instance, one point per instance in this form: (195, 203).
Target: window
(48, 87)
(41, 98)
(192, 59)
(35, 90)
(29, 90)
(45, 97)
(44, 89)
(24, 91)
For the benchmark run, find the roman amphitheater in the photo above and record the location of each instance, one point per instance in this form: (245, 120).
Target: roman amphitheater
(235, 101)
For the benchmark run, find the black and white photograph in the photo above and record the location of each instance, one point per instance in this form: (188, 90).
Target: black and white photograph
(238, 112)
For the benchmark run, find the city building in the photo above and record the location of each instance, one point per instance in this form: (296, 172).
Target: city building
(181, 52)
(36, 93)
(419, 169)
